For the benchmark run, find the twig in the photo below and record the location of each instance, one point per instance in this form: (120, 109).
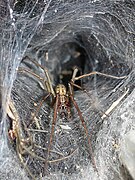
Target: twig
(114, 104)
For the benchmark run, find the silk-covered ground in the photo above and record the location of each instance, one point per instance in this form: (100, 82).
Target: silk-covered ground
(94, 36)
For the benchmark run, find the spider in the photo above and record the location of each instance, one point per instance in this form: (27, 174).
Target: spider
(62, 99)
(16, 135)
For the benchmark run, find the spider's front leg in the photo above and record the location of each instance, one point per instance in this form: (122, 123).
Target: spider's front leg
(47, 83)
(74, 78)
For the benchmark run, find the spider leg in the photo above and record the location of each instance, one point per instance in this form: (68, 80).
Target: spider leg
(45, 84)
(48, 82)
(38, 108)
(84, 126)
(53, 127)
(85, 91)
(74, 78)
(25, 166)
(23, 70)
(79, 87)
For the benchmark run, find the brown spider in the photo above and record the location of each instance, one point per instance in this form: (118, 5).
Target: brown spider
(63, 100)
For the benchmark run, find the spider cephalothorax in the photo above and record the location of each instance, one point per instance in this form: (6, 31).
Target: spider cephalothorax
(63, 101)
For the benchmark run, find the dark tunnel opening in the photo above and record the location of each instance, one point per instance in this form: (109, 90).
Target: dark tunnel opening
(73, 56)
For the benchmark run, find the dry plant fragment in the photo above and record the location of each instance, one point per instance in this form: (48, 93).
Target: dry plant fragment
(114, 105)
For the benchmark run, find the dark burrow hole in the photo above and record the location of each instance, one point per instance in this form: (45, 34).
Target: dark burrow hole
(72, 55)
